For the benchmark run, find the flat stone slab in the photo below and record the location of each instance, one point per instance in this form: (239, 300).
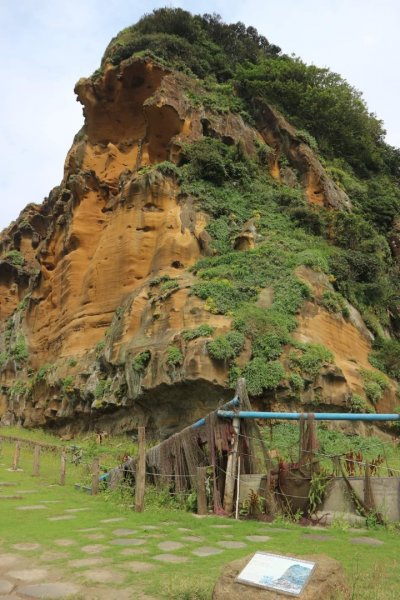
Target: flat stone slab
(114, 520)
(137, 566)
(119, 532)
(221, 526)
(127, 542)
(258, 538)
(168, 546)
(75, 510)
(27, 546)
(62, 518)
(51, 556)
(193, 538)
(170, 558)
(87, 562)
(95, 536)
(93, 549)
(53, 591)
(133, 551)
(64, 542)
(102, 576)
(206, 551)
(367, 541)
(87, 529)
(33, 507)
(149, 527)
(28, 574)
(317, 537)
(5, 586)
(231, 544)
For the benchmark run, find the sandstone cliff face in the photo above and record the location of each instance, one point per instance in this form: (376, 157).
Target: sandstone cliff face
(92, 315)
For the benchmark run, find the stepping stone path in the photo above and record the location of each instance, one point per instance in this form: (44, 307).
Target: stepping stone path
(103, 576)
(93, 549)
(8, 559)
(258, 538)
(75, 510)
(115, 520)
(170, 558)
(34, 507)
(230, 545)
(127, 542)
(51, 556)
(119, 532)
(5, 586)
(206, 551)
(26, 546)
(90, 529)
(367, 541)
(316, 537)
(28, 574)
(87, 562)
(133, 551)
(44, 591)
(64, 542)
(95, 536)
(138, 566)
(62, 518)
(150, 527)
(170, 546)
(193, 538)
(221, 526)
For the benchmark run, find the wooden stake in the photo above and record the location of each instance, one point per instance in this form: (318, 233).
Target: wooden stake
(201, 491)
(63, 467)
(95, 476)
(36, 462)
(17, 453)
(231, 469)
(140, 471)
(238, 489)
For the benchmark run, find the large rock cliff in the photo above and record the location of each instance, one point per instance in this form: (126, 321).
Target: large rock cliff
(96, 283)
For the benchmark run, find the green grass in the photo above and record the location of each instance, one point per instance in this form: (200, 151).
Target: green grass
(377, 567)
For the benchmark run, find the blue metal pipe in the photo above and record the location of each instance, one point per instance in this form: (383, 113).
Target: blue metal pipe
(243, 414)
(200, 422)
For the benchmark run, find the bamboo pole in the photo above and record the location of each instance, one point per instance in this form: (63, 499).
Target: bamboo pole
(140, 471)
(238, 489)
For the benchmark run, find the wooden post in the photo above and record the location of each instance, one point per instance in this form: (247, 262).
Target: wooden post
(17, 453)
(238, 489)
(95, 476)
(63, 467)
(201, 491)
(140, 471)
(231, 469)
(36, 462)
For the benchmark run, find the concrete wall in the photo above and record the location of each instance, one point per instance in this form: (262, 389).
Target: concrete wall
(385, 490)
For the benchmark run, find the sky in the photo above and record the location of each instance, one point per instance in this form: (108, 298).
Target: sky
(47, 46)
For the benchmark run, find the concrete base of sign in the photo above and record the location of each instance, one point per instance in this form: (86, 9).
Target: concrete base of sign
(326, 581)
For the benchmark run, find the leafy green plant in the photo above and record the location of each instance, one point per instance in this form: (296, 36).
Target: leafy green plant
(19, 350)
(262, 376)
(102, 388)
(169, 286)
(358, 404)
(335, 303)
(296, 382)
(15, 257)
(174, 356)
(316, 494)
(375, 384)
(200, 331)
(309, 358)
(67, 384)
(226, 346)
(141, 361)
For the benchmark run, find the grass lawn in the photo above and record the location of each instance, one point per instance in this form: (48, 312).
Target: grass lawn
(88, 534)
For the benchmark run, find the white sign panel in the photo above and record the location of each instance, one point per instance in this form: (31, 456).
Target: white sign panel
(278, 573)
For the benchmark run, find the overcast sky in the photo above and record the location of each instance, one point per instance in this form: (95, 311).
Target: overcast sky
(47, 45)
